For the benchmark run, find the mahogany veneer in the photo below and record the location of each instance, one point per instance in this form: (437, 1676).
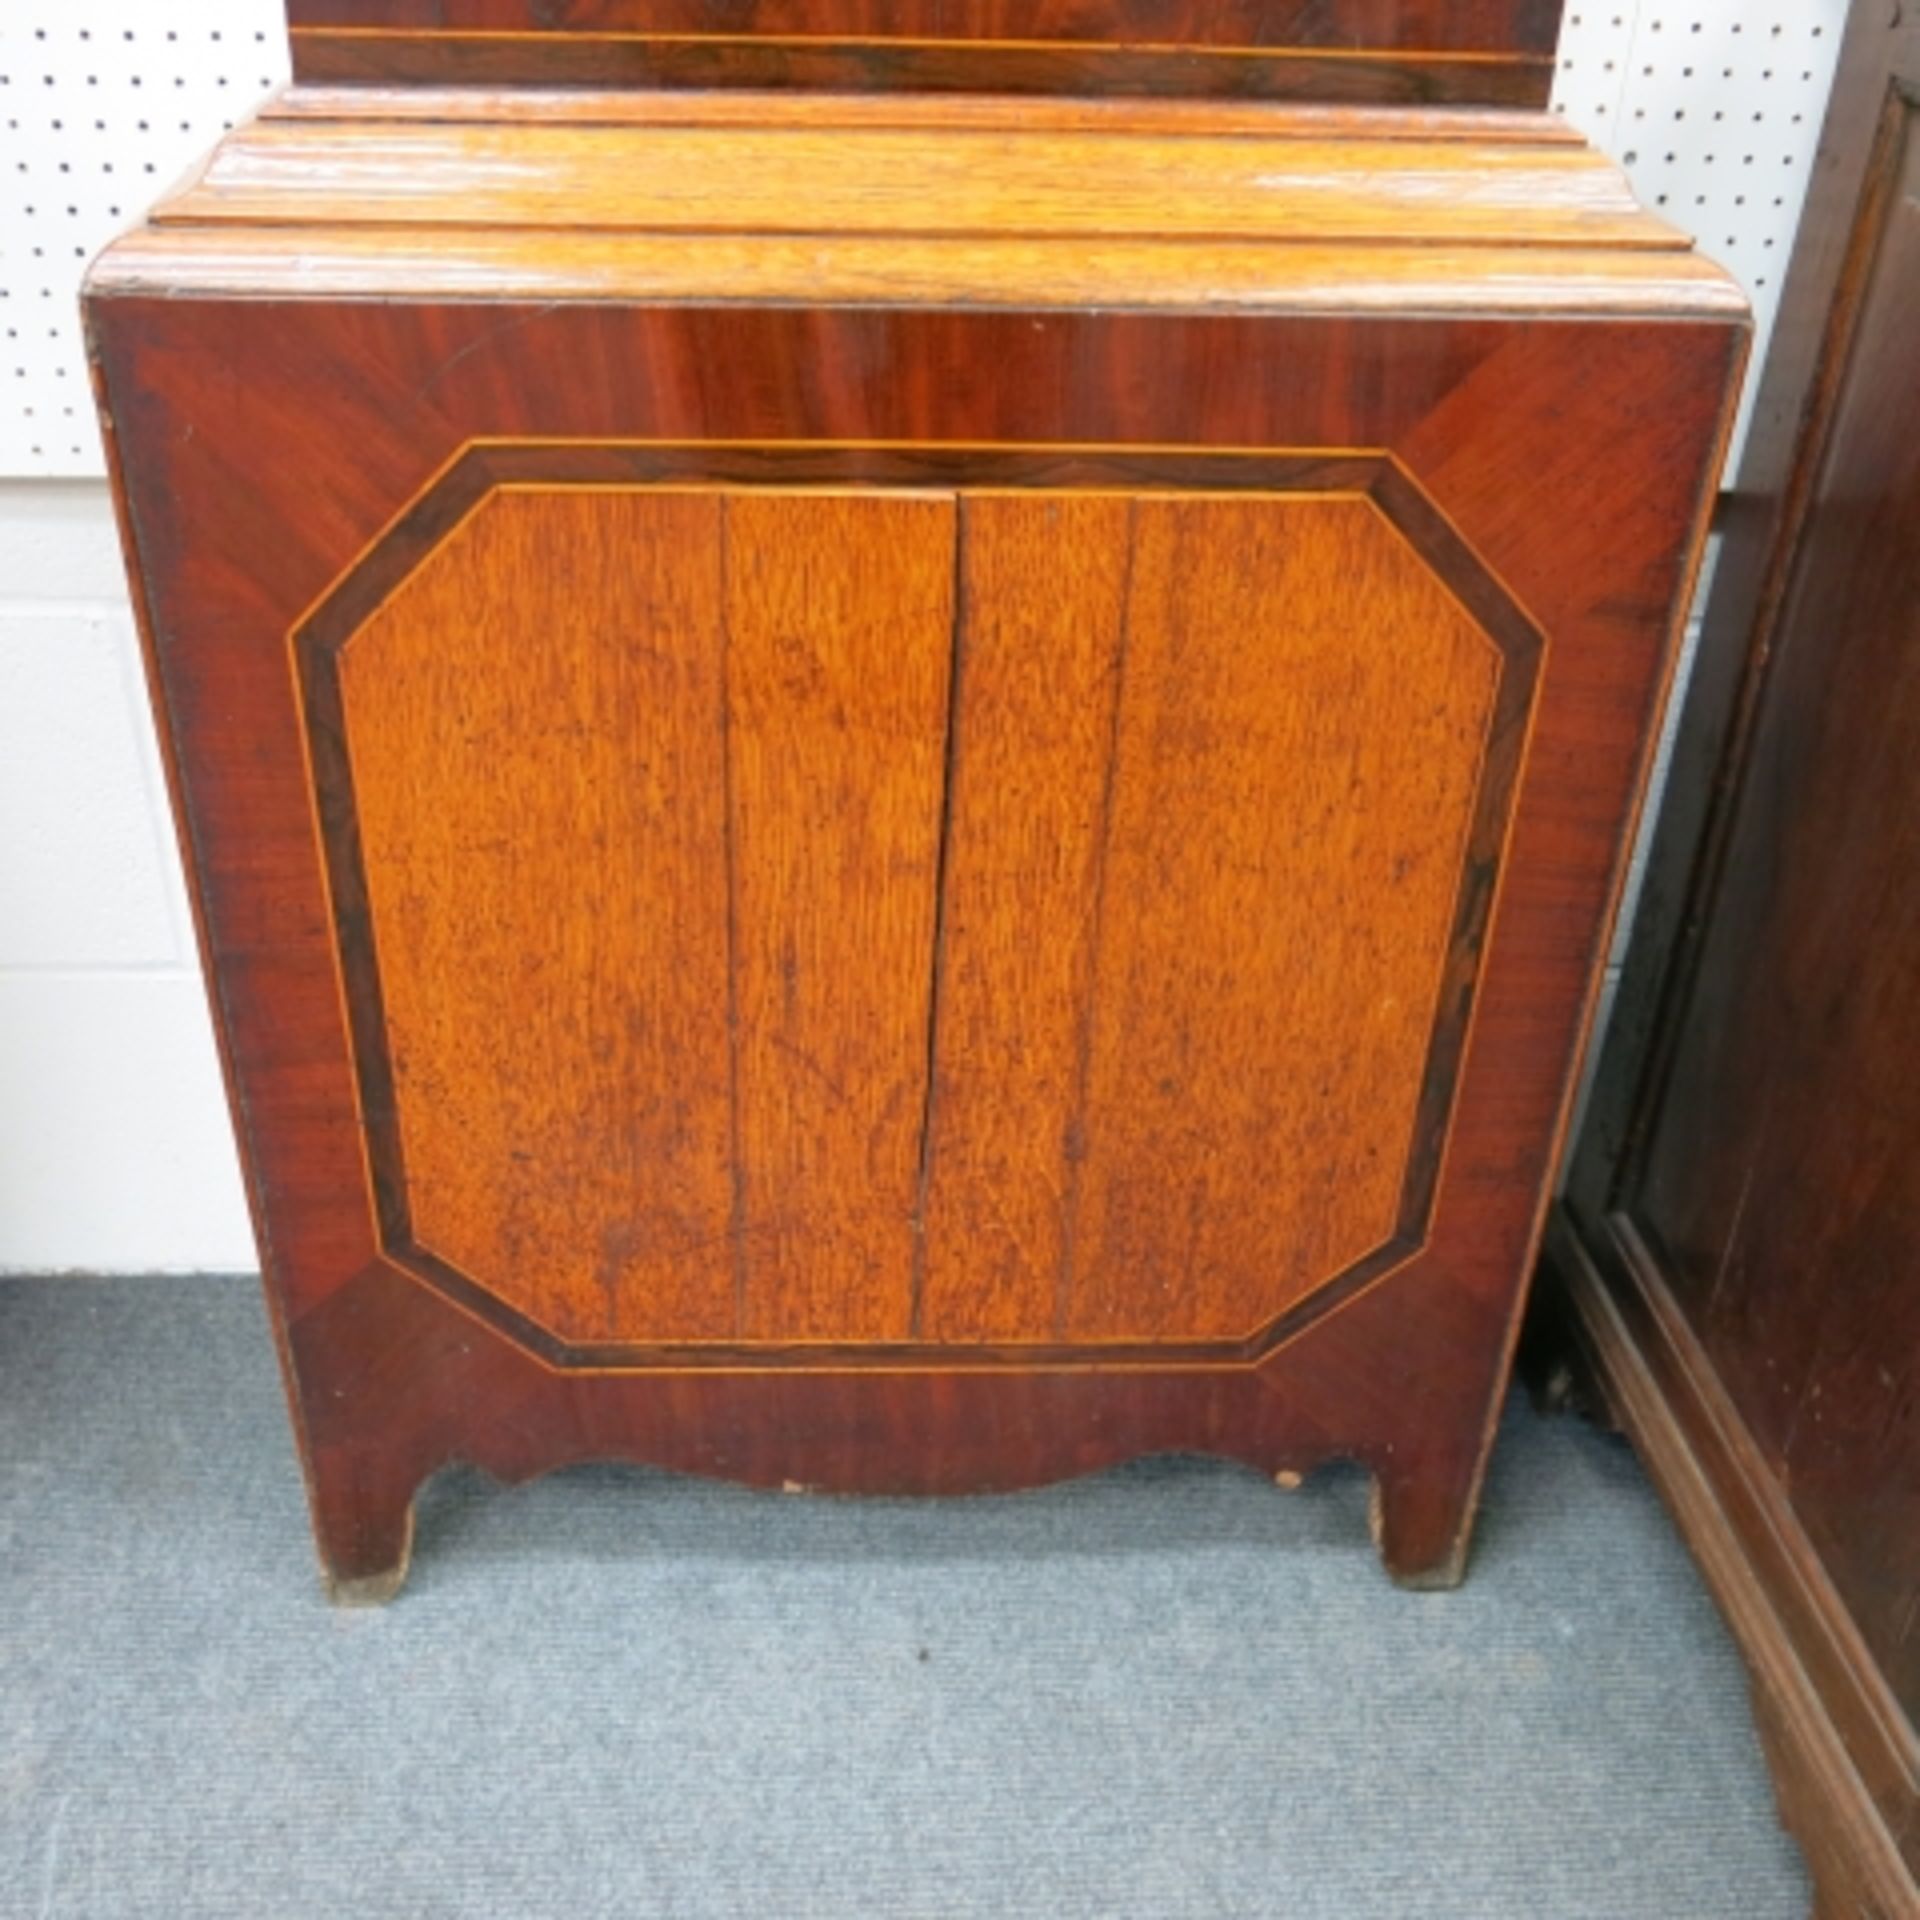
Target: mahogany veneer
(903, 793)
(1400, 51)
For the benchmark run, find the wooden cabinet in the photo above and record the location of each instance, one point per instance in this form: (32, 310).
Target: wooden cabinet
(905, 789)
(1739, 1248)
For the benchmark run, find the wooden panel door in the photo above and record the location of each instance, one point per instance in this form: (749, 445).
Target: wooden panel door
(903, 916)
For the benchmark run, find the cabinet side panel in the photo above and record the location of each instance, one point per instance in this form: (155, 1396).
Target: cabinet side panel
(1781, 1181)
(839, 619)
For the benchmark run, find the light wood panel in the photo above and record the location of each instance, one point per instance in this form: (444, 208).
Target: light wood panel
(904, 199)
(839, 618)
(674, 866)
(648, 791)
(532, 722)
(806, 178)
(1044, 586)
(1293, 794)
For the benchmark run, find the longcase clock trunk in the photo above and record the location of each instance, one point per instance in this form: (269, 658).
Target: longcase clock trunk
(902, 790)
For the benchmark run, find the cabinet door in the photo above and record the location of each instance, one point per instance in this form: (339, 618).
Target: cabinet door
(945, 916)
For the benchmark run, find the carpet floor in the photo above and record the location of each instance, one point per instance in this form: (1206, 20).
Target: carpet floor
(1167, 1691)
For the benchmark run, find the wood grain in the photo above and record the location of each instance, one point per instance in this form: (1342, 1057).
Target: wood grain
(1452, 25)
(428, 263)
(852, 179)
(1283, 850)
(332, 57)
(1076, 113)
(653, 968)
(909, 201)
(1409, 51)
(1044, 585)
(1045, 590)
(532, 722)
(839, 644)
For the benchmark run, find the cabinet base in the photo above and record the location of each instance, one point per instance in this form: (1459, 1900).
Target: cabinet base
(392, 1384)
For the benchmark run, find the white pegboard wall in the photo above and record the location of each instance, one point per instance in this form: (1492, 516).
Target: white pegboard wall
(1714, 108)
(103, 103)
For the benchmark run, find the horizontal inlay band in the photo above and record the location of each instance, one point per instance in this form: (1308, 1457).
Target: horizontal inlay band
(590, 37)
(865, 64)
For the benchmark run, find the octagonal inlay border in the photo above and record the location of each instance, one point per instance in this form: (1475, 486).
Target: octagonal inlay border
(482, 466)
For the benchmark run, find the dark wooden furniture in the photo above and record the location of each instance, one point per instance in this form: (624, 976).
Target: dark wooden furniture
(1400, 52)
(892, 790)
(1741, 1243)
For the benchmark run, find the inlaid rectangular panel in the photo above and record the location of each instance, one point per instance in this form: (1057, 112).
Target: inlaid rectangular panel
(980, 916)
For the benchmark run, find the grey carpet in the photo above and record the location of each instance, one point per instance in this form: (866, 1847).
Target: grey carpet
(1168, 1691)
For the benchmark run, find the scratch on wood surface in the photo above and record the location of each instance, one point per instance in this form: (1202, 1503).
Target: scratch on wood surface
(1740, 1207)
(479, 340)
(1733, 1236)
(1909, 1620)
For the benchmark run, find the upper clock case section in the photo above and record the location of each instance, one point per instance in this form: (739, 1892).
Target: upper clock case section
(1373, 52)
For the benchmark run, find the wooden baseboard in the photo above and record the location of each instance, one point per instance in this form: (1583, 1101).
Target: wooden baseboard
(1843, 1754)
